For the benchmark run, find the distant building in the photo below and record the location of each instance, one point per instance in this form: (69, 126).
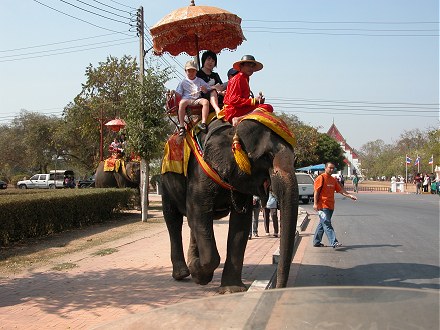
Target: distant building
(353, 165)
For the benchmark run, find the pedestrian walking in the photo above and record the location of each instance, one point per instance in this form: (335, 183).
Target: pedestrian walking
(271, 211)
(256, 207)
(355, 183)
(324, 203)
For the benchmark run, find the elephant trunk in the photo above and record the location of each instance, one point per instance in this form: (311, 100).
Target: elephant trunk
(285, 187)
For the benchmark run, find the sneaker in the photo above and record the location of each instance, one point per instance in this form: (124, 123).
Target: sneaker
(250, 237)
(275, 235)
(255, 235)
(318, 245)
(336, 245)
(203, 127)
(267, 234)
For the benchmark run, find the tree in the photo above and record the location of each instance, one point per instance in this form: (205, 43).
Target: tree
(147, 126)
(306, 140)
(102, 98)
(329, 150)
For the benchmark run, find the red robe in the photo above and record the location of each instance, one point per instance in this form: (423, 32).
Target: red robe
(237, 101)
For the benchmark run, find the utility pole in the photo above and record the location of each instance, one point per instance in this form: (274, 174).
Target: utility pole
(140, 31)
(144, 164)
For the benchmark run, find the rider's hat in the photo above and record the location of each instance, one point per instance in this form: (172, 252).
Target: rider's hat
(191, 65)
(250, 59)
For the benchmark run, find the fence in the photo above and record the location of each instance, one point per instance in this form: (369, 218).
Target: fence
(349, 187)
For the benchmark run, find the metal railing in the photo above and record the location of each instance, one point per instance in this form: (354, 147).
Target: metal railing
(350, 187)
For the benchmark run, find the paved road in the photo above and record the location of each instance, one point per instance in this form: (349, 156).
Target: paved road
(389, 240)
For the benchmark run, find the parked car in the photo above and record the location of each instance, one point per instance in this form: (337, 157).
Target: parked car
(36, 181)
(305, 187)
(87, 183)
(56, 179)
(3, 185)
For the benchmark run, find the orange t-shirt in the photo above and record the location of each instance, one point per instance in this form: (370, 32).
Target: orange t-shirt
(326, 197)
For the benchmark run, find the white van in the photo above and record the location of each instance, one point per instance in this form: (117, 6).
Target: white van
(305, 186)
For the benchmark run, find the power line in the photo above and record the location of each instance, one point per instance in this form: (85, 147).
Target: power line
(58, 43)
(340, 29)
(121, 4)
(79, 50)
(356, 102)
(318, 107)
(359, 114)
(340, 22)
(91, 12)
(341, 34)
(104, 10)
(64, 48)
(79, 19)
(124, 11)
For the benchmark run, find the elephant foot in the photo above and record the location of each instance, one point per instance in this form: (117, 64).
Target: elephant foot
(232, 289)
(197, 276)
(180, 272)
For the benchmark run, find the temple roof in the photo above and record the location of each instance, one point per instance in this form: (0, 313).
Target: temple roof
(334, 133)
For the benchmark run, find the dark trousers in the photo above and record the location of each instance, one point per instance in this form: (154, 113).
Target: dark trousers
(271, 213)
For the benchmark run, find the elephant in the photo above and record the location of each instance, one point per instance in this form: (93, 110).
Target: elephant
(203, 200)
(128, 178)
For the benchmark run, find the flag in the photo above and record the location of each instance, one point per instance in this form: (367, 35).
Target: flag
(417, 161)
(408, 160)
(431, 160)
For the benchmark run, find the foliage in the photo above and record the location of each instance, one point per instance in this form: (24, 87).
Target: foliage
(329, 150)
(102, 98)
(147, 126)
(28, 144)
(306, 140)
(380, 159)
(27, 215)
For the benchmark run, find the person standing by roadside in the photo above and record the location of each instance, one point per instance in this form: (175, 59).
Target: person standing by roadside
(271, 211)
(324, 203)
(355, 183)
(418, 182)
(256, 207)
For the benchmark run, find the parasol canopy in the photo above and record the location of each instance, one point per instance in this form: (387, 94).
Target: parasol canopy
(194, 28)
(116, 124)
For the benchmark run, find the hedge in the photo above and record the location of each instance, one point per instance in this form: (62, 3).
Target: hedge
(34, 215)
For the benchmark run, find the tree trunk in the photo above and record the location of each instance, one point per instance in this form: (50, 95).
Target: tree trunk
(144, 189)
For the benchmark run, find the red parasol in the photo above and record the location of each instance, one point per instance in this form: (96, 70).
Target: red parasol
(194, 28)
(116, 124)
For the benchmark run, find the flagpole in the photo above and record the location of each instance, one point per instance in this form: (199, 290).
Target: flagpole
(418, 164)
(432, 163)
(406, 172)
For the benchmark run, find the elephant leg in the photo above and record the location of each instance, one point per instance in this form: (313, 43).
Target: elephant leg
(174, 222)
(239, 227)
(203, 256)
(193, 252)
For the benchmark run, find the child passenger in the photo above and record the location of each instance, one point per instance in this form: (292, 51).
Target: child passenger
(190, 89)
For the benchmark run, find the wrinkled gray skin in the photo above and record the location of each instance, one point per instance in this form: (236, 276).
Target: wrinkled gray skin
(201, 200)
(118, 179)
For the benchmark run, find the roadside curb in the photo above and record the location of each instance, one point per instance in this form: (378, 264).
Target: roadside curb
(265, 284)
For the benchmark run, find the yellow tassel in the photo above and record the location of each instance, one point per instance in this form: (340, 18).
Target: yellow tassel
(240, 156)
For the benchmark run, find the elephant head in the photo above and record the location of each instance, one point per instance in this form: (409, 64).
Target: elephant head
(270, 163)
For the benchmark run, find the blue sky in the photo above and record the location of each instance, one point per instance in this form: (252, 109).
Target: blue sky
(372, 66)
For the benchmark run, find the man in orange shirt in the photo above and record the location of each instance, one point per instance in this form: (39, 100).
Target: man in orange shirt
(324, 203)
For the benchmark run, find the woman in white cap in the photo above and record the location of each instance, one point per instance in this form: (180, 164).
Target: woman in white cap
(237, 101)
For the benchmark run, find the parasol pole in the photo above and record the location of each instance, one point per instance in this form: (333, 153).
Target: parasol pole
(196, 57)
